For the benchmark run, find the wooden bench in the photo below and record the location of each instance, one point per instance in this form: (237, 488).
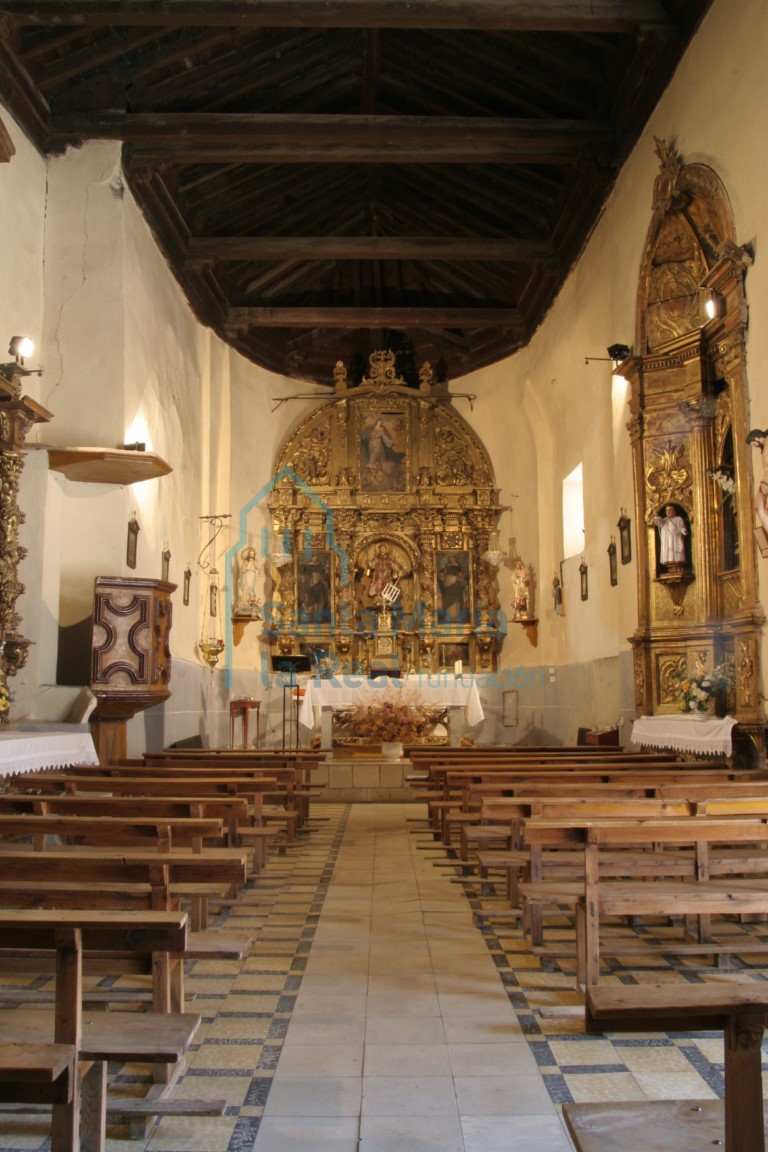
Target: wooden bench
(184, 784)
(699, 898)
(233, 810)
(99, 1037)
(37, 1073)
(738, 1010)
(166, 876)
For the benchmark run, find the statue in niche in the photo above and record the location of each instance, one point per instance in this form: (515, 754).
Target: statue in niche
(453, 587)
(248, 602)
(672, 533)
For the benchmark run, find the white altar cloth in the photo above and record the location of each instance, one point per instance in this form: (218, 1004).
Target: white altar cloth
(707, 736)
(32, 751)
(439, 690)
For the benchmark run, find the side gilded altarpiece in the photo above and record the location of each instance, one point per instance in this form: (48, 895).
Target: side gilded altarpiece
(697, 586)
(385, 504)
(18, 413)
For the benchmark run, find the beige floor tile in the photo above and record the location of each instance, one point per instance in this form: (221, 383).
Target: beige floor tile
(408, 1096)
(406, 1060)
(405, 1030)
(509, 1059)
(307, 1134)
(411, 1134)
(514, 1134)
(321, 1096)
(297, 1061)
(502, 1095)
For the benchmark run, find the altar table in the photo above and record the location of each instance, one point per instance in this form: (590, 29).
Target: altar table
(445, 691)
(32, 751)
(707, 736)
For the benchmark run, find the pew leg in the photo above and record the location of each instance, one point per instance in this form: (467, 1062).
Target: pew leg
(744, 1123)
(93, 1108)
(65, 1126)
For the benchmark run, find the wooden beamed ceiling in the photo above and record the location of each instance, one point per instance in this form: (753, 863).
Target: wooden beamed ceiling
(328, 176)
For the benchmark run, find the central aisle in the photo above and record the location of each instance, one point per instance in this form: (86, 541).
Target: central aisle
(402, 1036)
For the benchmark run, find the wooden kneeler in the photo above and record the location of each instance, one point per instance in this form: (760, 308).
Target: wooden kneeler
(739, 1010)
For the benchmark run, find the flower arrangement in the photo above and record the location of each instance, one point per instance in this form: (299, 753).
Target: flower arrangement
(726, 483)
(697, 691)
(394, 717)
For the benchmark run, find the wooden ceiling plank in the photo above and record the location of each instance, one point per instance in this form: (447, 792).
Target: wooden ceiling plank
(90, 58)
(521, 15)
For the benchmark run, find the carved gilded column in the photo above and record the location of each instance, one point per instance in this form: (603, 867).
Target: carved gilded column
(17, 415)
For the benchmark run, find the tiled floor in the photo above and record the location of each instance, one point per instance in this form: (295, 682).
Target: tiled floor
(373, 1015)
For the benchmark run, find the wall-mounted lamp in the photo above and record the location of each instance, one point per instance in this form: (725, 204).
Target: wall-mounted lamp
(616, 353)
(137, 446)
(211, 643)
(20, 347)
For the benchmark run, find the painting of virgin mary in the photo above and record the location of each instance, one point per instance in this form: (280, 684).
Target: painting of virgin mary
(383, 452)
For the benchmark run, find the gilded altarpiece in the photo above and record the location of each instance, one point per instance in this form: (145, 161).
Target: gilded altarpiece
(386, 503)
(697, 596)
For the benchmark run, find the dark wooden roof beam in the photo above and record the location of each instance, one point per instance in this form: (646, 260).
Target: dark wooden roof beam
(521, 15)
(365, 248)
(551, 136)
(241, 319)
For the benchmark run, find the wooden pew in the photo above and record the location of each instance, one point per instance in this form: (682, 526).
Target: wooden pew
(233, 810)
(185, 784)
(595, 897)
(100, 1037)
(103, 874)
(738, 1010)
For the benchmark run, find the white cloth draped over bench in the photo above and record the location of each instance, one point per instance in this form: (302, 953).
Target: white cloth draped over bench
(707, 736)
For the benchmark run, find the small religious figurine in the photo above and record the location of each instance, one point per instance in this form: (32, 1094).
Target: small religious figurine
(248, 602)
(557, 594)
(672, 532)
(521, 590)
(381, 570)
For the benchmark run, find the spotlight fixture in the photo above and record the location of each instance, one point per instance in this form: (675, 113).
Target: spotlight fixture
(616, 353)
(137, 446)
(21, 347)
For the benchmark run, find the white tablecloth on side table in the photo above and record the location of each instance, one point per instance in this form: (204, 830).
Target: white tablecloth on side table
(33, 751)
(707, 736)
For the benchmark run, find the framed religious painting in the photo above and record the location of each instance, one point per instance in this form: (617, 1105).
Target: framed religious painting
(453, 656)
(132, 542)
(313, 599)
(612, 568)
(584, 580)
(383, 451)
(625, 537)
(454, 607)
